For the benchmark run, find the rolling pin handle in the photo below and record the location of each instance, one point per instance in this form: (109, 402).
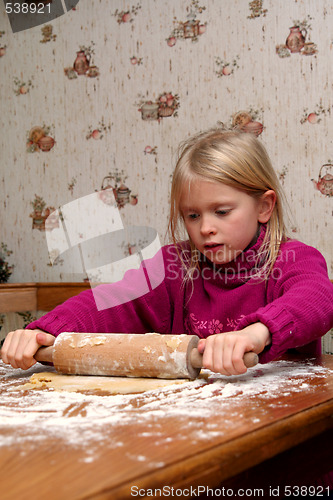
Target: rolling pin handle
(44, 354)
(196, 358)
(250, 359)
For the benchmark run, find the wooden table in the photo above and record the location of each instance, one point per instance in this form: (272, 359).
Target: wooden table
(36, 296)
(270, 428)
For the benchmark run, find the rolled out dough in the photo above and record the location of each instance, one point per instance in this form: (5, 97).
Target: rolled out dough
(95, 384)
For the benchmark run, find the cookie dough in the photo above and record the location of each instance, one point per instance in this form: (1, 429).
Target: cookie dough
(95, 385)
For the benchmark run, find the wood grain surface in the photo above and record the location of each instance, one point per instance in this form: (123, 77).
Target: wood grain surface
(178, 438)
(37, 296)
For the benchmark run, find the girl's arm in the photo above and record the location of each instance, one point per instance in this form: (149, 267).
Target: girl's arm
(133, 304)
(300, 301)
(108, 309)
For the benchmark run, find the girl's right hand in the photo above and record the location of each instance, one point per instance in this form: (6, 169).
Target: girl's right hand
(20, 346)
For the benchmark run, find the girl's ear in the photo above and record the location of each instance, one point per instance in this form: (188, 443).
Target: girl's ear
(266, 206)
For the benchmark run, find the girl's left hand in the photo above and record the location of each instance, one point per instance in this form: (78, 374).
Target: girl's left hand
(223, 352)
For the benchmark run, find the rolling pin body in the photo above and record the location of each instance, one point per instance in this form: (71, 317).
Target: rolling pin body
(128, 355)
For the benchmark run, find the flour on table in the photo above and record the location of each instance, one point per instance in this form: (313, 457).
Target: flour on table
(27, 417)
(95, 384)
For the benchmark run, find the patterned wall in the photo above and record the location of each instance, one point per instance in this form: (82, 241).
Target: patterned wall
(101, 97)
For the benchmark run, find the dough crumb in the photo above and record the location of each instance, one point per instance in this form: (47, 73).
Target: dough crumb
(174, 342)
(92, 341)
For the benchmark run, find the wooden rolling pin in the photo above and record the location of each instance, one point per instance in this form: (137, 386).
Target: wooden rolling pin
(128, 355)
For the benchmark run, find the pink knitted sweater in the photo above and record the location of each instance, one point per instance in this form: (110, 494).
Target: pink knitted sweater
(295, 303)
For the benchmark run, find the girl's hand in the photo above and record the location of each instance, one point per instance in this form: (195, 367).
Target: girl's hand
(20, 346)
(223, 352)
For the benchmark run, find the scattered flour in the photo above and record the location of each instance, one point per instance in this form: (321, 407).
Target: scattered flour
(31, 416)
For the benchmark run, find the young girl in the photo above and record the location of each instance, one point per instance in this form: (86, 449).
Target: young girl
(236, 280)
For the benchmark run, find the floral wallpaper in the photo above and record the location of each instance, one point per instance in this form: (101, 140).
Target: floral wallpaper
(99, 99)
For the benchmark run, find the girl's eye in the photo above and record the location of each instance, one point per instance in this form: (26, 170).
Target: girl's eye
(192, 216)
(222, 212)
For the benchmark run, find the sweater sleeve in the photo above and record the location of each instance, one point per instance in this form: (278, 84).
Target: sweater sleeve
(299, 306)
(139, 303)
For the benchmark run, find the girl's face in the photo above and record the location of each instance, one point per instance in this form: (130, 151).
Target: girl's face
(222, 221)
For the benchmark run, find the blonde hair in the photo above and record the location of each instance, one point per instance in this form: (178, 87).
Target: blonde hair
(239, 160)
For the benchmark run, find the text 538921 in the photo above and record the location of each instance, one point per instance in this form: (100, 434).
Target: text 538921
(27, 8)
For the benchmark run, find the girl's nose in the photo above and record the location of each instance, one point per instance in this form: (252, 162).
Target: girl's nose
(207, 226)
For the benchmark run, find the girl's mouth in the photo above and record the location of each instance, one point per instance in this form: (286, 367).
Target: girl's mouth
(213, 247)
